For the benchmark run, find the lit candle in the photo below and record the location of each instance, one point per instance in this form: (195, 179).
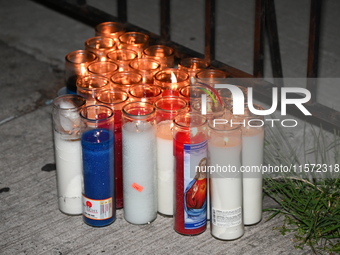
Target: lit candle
(97, 149)
(139, 163)
(88, 86)
(76, 63)
(171, 80)
(146, 67)
(192, 65)
(190, 150)
(110, 29)
(122, 57)
(66, 123)
(134, 41)
(125, 80)
(166, 109)
(162, 53)
(145, 93)
(225, 181)
(101, 46)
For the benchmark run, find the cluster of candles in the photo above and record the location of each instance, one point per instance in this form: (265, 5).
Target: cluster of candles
(130, 133)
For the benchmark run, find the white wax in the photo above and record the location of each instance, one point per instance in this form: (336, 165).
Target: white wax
(225, 191)
(165, 168)
(252, 155)
(139, 172)
(69, 173)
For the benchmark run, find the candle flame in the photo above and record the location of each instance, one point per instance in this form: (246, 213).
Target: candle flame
(173, 78)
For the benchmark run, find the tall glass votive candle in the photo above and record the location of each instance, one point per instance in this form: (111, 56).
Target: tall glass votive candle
(190, 151)
(89, 85)
(166, 110)
(145, 93)
(97, 142)
(101, 46)
(162, 53)
(225, 148)
(76, 63)
(146, 67)
(66, 126)
(122, 57)
(192, 65)
(171, 80)
(110, 29)
(139, 163)
(103, 68)
(252, 127)
(116, 99)
(134, 41)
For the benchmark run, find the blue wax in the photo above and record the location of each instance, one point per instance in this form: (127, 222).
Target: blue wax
(97, 149)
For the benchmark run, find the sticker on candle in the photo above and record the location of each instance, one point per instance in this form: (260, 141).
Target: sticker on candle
(227, 218)
(137, 187)
(97, 209)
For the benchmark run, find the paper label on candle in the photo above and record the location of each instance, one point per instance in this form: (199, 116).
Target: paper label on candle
(195, 189)
(97, 209)
(226, 218)
(137, 187)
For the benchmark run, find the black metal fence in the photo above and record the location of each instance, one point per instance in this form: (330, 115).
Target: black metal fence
(265, 22)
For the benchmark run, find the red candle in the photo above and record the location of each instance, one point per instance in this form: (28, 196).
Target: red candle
(190, 208)
(116, 99)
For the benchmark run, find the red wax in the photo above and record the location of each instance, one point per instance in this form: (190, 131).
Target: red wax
(180, 139)
(118, 168)
(169, 92)
(118, 158)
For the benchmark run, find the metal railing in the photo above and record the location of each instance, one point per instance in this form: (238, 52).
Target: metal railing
(265, 22)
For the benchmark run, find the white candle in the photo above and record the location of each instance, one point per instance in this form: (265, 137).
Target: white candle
(225, 187)
(252, 155)
(139, 172)
(69, 174)
(68, 155)
(165, 168)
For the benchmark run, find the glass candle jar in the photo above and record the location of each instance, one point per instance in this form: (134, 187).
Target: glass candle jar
(211, 76)
(110, 29)
(89, 85)
(208, 107)
(191, 93)
(171, 80)
(66, 126)
(122, 57)
(146, 67)
(103, 68)
(116, 99)
(76, 63)
(166, 110)
(135, 41)
(190, 151)
(162, 53)
(125, 80)
(101, 46)
(139, 163)
(97, 142)
(192, 65)
(145, 93)
(225, 146)
(252, 127)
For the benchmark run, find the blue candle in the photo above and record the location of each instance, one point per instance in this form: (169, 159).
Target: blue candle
(98, 196)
